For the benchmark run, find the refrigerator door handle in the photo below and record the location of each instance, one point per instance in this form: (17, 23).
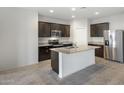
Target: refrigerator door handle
(106, 43)
(111, 39)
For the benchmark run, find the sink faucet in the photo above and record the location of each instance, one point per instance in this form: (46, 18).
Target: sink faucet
(75, 44)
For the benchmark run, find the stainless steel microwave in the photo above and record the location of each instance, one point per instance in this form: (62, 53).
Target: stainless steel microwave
(55, 33)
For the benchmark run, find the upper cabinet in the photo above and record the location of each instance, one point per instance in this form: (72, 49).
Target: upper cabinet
(55, 26)
(97, 30)
(46, 28)
(65, 30)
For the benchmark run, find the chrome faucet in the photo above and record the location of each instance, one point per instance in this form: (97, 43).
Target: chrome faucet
(75, 45)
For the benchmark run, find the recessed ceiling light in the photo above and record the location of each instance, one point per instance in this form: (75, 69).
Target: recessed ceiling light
(96, 13)
(51, 11)
(73, 16)
(73, 9)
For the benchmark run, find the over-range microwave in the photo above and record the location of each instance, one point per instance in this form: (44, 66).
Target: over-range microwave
(55, 33)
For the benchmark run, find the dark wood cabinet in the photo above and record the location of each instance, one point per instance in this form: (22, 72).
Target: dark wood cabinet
(93, 30)
(99, 52)
(97, 30)
(44, 53)
(55, 61)
(55, 26)
(65, 30)
(44, 29)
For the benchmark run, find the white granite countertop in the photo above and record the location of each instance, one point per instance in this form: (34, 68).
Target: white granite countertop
(44, 44)
(69, 50)
(47, 44)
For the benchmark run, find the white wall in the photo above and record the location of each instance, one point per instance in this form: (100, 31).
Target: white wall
(18, 37)
(116, 22)
(79, 28)
(54, 20)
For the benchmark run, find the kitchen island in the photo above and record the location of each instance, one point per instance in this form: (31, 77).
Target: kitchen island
(68, 60)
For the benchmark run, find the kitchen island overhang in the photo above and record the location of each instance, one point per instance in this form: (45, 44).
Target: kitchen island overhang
(65, 61)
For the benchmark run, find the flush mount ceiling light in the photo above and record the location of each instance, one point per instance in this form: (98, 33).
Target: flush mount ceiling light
(73, 9)
(96, 13)
(73, 16)
(51, 11)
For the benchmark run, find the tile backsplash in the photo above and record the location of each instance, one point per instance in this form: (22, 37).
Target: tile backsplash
(62, 39)
(96, 39)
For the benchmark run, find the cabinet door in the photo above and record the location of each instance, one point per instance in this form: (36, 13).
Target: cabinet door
(55, 61)
(55, 26)
(101, 27)
(62, 27)
(65, 30)
(98, 29)
(99, 52)
(93, 30)
(44, 53)
(44, 29)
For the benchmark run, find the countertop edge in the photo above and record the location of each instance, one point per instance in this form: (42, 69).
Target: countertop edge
(71, 51)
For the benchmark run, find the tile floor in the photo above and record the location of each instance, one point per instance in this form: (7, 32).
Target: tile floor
(102, 73)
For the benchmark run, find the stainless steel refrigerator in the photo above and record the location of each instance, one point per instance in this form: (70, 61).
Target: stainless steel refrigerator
(114, 44)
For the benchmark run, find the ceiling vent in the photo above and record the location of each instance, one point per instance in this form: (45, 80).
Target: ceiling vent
(83, 7)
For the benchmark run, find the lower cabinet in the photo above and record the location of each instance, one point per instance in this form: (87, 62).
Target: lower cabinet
(44, 53)
(99, 52)
(55, 61)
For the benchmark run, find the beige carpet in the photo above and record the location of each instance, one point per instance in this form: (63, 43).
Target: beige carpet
(103, 72)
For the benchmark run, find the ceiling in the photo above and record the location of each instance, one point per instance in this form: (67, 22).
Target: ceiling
(89, 12)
